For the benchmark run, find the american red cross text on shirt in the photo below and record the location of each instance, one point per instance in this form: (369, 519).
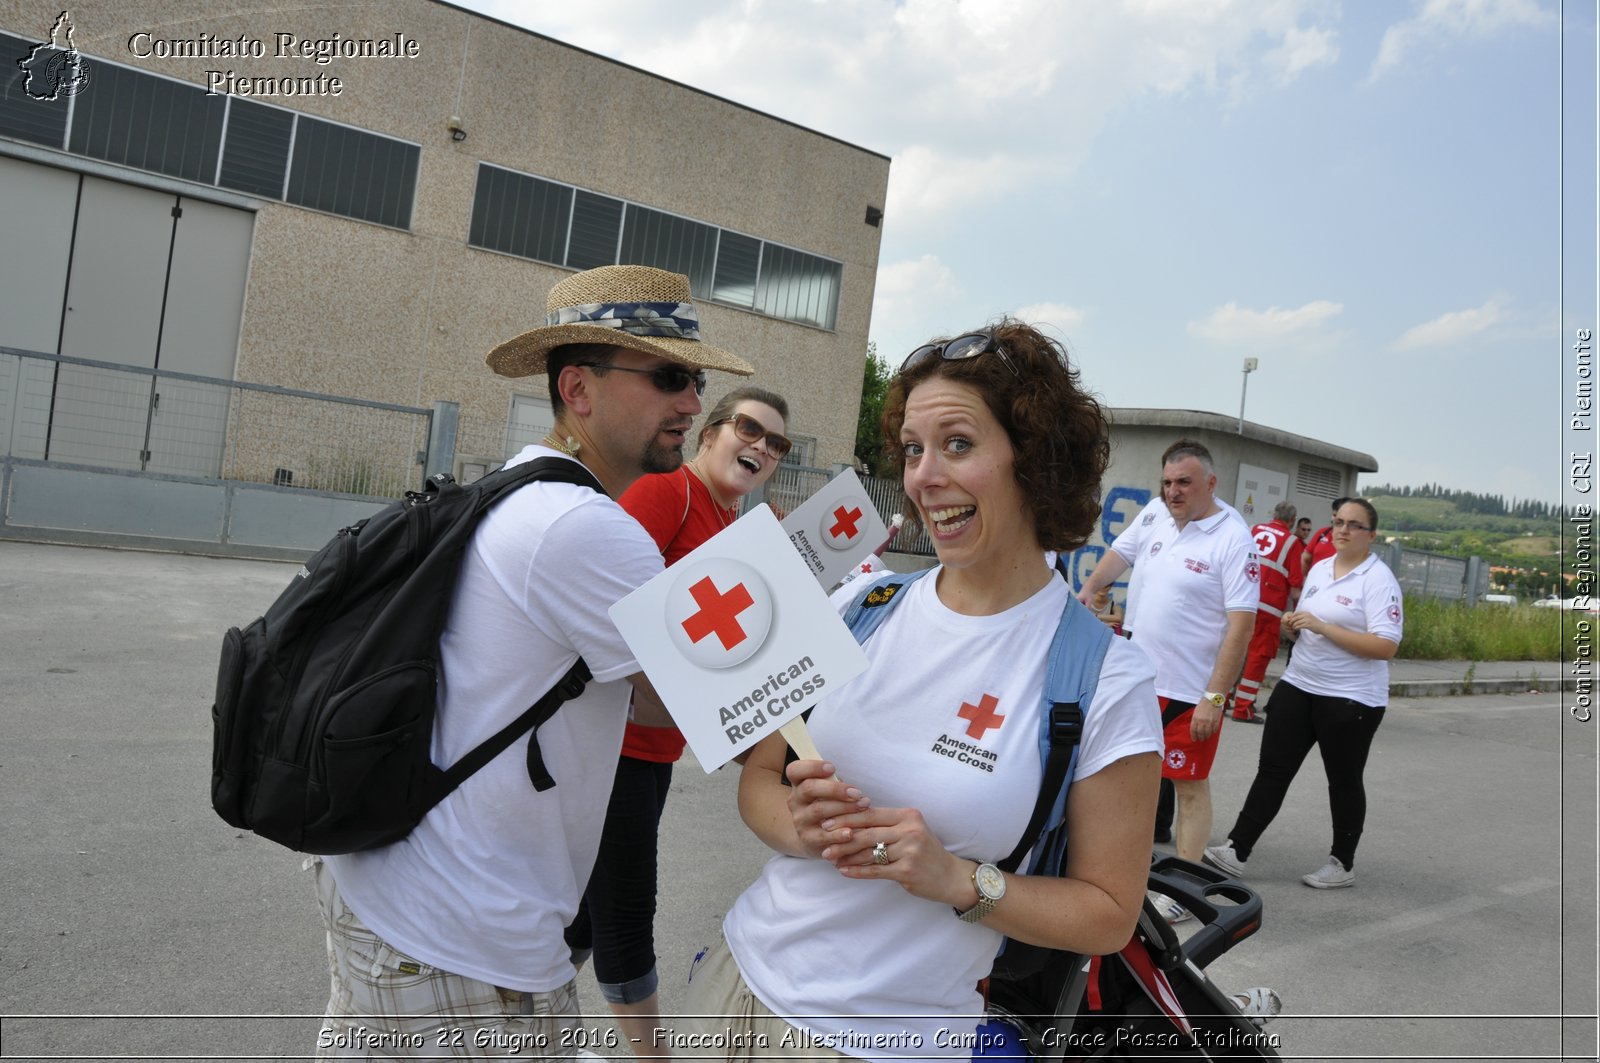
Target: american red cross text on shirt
(719, 613)
(845, 522)
(981, 716)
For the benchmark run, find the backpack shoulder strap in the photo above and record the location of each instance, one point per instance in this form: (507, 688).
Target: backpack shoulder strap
(491, 489)
(545, 470)
(1072, 674)
(877, 600)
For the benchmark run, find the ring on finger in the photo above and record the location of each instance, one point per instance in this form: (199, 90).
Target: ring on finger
(880, 854)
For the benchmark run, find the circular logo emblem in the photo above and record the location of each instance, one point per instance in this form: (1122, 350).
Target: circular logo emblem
(1252, 572)
(1155, 548)
(719, 612)
(1176, 759)
(844, 524)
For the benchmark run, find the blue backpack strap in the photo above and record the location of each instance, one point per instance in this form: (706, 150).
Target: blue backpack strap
(1072, 674)
(877, 600)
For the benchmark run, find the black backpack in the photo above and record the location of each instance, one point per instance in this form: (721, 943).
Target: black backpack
(325, 705)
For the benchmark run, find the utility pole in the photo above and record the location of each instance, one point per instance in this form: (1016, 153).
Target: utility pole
(1249, 367)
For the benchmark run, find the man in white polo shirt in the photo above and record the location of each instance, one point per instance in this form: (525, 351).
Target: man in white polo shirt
(1199, 591)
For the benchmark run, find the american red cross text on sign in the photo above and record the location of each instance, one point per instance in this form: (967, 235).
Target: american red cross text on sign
(845, 522)
(719, 613)
(981, 716)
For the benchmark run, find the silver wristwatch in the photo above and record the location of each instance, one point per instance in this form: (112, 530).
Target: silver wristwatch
(990, 882)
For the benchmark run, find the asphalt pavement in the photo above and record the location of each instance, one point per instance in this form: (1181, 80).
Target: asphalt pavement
(138, 925)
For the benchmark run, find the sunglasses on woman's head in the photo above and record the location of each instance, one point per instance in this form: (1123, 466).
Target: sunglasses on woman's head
(669, 378)
(751, 430)
(959, 349)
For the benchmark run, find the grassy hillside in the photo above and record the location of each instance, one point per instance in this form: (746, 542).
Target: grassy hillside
(1525, 552)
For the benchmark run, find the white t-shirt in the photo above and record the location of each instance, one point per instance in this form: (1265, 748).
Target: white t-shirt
(485, 884)
(1192, 580)
(1367, 598)
(811, 942)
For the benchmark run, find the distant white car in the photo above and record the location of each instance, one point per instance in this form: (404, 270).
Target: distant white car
(1589, 603)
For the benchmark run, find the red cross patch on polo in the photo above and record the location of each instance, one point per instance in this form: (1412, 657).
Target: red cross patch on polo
(719, 612)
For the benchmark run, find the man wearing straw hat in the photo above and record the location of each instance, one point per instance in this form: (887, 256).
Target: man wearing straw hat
(449, 942)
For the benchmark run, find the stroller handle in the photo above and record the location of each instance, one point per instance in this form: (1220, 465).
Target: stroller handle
(1199, 888)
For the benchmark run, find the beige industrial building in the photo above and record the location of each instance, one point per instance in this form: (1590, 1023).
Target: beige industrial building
(360, 199)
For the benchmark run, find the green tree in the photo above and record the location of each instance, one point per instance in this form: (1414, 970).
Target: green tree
(874, 387)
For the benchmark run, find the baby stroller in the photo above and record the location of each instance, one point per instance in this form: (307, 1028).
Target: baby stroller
(1151, 1000)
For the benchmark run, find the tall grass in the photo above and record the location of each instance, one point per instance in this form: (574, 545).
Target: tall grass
(1454, 631)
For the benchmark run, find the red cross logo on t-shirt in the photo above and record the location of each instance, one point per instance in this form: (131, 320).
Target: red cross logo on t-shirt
(981, 716)
(719, 613)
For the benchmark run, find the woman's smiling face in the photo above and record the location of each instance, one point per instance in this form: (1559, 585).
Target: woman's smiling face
(733, 466)
(959, 473)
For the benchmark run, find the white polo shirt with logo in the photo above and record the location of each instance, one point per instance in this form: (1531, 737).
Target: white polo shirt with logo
(1136, 538)
(1192, 580)
(1367, 598)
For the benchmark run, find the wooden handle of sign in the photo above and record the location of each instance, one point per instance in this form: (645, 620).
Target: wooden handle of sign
(799, 738)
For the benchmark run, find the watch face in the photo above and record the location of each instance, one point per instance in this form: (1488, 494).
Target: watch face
(991, 882)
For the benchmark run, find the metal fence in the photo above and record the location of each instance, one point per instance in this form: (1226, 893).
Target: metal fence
(101, 414)
(1437, 575)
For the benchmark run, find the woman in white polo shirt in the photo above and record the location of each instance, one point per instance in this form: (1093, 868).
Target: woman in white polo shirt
(1331, 696)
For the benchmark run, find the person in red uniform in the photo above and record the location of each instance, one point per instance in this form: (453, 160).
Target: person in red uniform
(1320, 545)
(1279, 551)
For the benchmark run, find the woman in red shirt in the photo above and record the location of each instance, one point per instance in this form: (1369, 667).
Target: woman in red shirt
(740, 445)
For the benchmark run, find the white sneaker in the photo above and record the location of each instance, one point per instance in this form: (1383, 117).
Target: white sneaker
(1170, 910)
(1260, 1004)
(1224, 859)
(1331, 876)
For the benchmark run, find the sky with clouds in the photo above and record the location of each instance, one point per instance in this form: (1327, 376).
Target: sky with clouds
(1364, 195)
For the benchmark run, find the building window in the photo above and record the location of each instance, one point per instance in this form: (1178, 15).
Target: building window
(531, 217)
(520, 215)
(22, 116)
(738, 260)
(666, 241)
(173, 127)
(798, 286)
(1318, 482)
(801, 453)
(149, 123)
(257, 149)
(352, 172)
(596, 227)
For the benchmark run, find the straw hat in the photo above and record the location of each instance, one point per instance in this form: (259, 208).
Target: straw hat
(637, 307)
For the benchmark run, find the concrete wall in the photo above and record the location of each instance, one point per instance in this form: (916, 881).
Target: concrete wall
(52, 503)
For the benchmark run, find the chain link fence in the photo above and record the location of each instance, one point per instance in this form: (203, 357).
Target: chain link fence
(100, 414)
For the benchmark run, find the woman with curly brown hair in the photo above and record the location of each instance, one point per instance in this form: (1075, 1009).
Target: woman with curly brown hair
(869, 930)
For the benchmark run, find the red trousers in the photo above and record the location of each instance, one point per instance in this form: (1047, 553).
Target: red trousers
(1263, 648)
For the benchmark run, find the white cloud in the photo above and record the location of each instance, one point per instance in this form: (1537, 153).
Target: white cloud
(1439, 20)
(1058, 317)
(913, 300)
(927, 183)
(1231, 323)
(1301, 50)
(959, 93)
(1451, 328)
